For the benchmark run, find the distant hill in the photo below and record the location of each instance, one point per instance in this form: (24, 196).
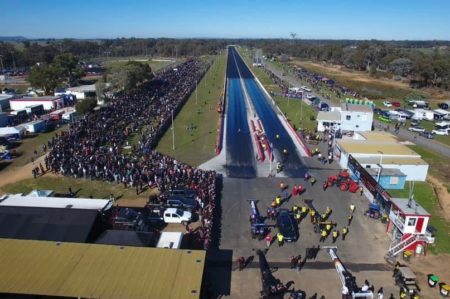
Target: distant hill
(12, 38)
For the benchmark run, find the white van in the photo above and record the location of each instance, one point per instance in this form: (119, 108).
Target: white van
(171, 240)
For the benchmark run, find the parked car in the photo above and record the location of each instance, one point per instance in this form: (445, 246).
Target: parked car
(415, 122)
(287, 226)
(377, 111)
(406, 113)
(443, 106)
(173, 215)
(187, 203)
(426, 134)
(416, 129)
(387, 104)
(396, 104)
(442, 132)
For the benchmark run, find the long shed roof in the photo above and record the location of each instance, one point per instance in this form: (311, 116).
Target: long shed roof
(99, 271)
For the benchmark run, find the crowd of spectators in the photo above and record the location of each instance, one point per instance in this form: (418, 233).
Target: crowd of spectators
(93, 147)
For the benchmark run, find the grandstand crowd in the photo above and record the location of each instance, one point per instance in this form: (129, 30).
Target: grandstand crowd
(97, 146)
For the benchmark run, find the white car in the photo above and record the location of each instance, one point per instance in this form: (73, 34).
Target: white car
(174, 215)
(416, 129)
(440, 132)
(387, 104)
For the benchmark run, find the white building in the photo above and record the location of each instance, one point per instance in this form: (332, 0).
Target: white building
(347, 117)
(49, 103)
(82, 92)
(381, 149)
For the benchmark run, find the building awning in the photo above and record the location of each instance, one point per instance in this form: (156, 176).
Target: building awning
(329, 116)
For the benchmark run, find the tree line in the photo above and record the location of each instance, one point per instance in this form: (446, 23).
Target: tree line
(423, 62)
(426, 64)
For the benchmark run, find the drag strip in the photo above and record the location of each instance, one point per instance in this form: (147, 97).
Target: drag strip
(292, 164)
(240, 159)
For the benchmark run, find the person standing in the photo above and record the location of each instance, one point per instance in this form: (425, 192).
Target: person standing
(350, 219)
(361, 191)
(280, 239)
(335, 235)
(268, 240)
(352, 208)
(323, 236)
(344, 232)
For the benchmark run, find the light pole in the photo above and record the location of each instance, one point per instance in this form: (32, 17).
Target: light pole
(173, 134)
(381, 162)
(196, 92)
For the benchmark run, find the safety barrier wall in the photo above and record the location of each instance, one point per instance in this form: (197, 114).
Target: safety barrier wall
(219, 140)
(261, 156)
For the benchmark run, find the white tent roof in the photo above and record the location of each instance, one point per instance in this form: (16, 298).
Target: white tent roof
(10, 131)
(56, 202)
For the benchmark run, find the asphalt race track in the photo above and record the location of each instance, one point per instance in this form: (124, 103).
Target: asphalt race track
(292, 164)
(240, 156)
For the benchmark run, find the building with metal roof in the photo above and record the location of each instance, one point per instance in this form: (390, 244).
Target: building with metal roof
(127, 238)
(381, 149)
(346, 117)
(73, 270)
(17, 200)
(50, 224)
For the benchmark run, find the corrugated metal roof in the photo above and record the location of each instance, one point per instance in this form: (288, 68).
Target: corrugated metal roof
(392, 160)
(402, 203)
(374, 147)
(385, 171)
(50, 224)
(99, 271)
(329, 115)
(378, 136)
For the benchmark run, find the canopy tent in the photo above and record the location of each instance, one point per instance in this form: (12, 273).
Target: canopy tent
(8, 131)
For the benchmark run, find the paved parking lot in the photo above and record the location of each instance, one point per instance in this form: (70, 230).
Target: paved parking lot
(362, 252)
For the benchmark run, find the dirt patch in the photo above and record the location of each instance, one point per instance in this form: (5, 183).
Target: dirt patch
(442, 194)
(340, 72)
(431, 264)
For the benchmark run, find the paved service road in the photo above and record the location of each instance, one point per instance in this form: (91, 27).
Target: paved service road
(404, 134)
(292, 164)
(240, 156)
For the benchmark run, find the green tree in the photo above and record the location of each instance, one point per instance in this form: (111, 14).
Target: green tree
(45, 77)
(85, 106)
(68, 67)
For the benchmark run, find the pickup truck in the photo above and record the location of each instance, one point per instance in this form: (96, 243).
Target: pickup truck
(169, 215)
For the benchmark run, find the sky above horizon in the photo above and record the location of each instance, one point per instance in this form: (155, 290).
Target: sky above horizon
(325, 19)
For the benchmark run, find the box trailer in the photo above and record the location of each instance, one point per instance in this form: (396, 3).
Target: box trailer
(37, 109)
(35, 126)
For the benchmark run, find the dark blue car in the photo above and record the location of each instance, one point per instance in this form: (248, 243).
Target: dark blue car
(287, 226)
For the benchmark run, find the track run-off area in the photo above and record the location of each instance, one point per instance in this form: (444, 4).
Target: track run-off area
(246, 99)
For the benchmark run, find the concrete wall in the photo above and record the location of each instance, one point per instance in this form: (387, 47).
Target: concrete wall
(359, 121)
(412, 172)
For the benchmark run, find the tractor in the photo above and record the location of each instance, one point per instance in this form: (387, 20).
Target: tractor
(343, 181)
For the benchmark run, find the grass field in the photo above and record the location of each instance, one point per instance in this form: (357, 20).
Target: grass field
(424, 194)
(439, 165)
(197, 123)
(300, 117)
(85, 188)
